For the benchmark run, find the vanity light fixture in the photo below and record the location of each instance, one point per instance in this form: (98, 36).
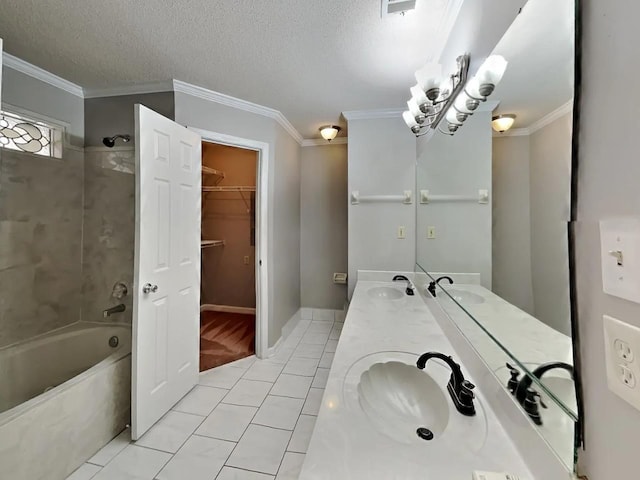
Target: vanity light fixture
(329, 132)
(502, 123)
(453, 99)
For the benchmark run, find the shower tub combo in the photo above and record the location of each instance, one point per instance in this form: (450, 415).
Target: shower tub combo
(63, 396)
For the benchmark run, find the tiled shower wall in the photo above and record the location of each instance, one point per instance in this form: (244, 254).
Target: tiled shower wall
(109, 231)
(40, 243)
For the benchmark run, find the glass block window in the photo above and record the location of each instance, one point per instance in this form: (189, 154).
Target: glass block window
(25, 135)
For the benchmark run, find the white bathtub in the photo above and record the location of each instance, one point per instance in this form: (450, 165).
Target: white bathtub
(63, 395)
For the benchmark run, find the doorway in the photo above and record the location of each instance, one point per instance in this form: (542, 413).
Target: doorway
(228, 247)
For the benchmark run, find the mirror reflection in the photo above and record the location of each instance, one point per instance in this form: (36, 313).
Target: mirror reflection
(499, 262)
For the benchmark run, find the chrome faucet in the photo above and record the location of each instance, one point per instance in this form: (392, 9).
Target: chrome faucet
(432, 285)
(117, 309)
(460, 390)
(409, 289)
(527, 396)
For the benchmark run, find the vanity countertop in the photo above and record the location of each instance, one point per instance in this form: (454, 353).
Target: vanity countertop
(345, 444)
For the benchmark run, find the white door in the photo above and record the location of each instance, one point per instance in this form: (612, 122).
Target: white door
(166, 309)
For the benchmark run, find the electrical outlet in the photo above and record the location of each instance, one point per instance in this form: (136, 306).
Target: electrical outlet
(401, 232)
(246, 259)
(626, 376)
(622, 341)
(431, 233)
(623, 350)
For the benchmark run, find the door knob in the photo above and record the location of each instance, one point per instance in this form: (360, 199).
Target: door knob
(148, 288)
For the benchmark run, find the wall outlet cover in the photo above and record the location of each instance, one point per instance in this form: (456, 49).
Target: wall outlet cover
(620, 256)
(621, 345)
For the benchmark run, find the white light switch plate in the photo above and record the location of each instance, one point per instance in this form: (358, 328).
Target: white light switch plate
(622, 355)
(620, 253)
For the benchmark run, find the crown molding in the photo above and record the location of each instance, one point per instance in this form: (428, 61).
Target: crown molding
(321, 142)
(134, 89)
(543, 122)
(229, 101)
(38, 73)
(552, 117)
(371, 114)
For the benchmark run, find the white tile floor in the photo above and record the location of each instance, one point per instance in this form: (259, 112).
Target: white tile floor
(249, 420)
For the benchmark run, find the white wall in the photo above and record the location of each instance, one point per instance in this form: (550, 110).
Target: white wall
(284, 195)
(28, 93)
(323, 225)
(511, 258)
(607, 186)
(456, 165)
(382, 157)
(550, 201)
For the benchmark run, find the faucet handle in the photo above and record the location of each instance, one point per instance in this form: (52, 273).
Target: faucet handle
(467, 387)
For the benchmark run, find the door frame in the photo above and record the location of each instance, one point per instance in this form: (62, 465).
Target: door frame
(262, 228)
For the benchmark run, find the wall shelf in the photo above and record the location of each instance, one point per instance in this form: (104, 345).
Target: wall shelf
(212, 243)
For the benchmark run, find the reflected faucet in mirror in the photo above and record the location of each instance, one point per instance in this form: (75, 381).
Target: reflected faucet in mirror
(432, 285)
(527, 396)
(460, 390)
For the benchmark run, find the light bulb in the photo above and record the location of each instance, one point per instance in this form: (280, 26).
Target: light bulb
(492, 70)
(429, 76)
(452, 117)
(409, 119)
(418, 95)
(462, 105)
(414, 108)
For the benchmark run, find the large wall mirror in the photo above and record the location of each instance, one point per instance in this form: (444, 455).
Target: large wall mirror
(507, 254)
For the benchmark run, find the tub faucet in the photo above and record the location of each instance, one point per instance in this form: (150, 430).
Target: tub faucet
(117, 309)
(432, 285)
(409, 289)
(460, 390)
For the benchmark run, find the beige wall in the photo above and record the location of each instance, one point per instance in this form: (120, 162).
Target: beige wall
(283, 228)
(550, 200)
(40, 243)
(608, 186)
(511, 245)
(226, 280)
(323, 225)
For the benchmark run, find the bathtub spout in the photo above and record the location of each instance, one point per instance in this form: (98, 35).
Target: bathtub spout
(117, 309)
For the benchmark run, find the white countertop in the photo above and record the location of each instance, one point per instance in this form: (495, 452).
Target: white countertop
(345, 445)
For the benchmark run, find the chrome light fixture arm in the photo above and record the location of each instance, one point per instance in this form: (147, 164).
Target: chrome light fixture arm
(441, 106)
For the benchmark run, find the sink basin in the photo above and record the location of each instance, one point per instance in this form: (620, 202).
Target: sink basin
(465, 297)
(385, 293)
(399, 398)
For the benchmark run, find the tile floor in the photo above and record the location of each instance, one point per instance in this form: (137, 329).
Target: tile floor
(248, 420)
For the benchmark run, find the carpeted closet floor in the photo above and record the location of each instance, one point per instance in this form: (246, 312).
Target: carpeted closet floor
(225, 337)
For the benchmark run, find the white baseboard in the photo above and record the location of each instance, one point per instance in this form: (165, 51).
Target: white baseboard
(227, 308)
(286, 331)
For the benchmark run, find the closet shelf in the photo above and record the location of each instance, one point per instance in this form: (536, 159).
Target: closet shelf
(227, 188)
(212, 243)
(217, 174)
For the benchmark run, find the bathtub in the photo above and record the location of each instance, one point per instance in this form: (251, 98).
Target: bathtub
(63, 396)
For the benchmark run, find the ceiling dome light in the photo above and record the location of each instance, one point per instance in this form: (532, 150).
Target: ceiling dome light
(502, 123)
(329, 132)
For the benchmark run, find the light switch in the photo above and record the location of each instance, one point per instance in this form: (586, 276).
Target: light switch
(622, 347)
(620, 252)
(401, 232)
(431, 233)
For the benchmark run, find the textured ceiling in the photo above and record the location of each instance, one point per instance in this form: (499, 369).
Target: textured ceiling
(539, 48)
(309, 59)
